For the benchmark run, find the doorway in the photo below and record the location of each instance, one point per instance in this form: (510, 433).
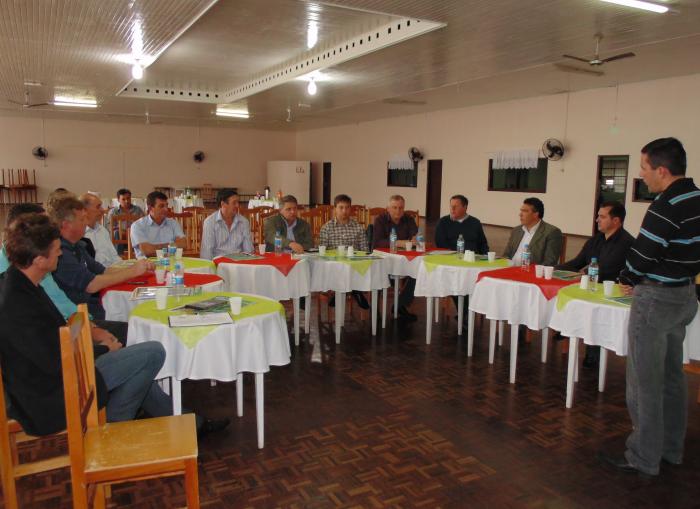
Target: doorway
(326, 183)
(612, 182)
(434, 189)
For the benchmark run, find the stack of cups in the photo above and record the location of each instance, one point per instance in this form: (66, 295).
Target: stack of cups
(351, 251)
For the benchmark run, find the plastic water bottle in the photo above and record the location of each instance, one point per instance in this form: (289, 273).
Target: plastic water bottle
(460, 245)
(420, 241)
(525, 258)
(172, 249)
(392, 240)
(179, 279)
(278, 243)
(593, 275)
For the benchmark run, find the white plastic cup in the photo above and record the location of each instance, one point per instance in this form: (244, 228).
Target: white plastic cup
(322, 250)
(548, 271)
(409, 245)
(469, 256)
(160, 276)
(608, 287)
(492, 256)
(351, 251)
(161, 298)
(235, 303)
(539, 270)
(584, 282)
(159, 253)
(261, 249)
(178, 253)
(341, 251)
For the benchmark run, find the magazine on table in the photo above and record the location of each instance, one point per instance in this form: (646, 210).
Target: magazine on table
(565, 275)
(440, 252)
(149, 292)
(243, 256)
(625, 299)
(199, 320)
(216, 304)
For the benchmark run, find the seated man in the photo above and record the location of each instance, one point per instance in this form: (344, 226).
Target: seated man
(125, 207)
(610, 246)
(342, 230)
(226, 231)
(457, 223)
(296, 233)
(156, 230)
(544, 240)
(78, 274)
(406, 230)
(105, 253)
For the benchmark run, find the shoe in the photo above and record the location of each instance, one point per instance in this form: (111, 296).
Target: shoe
(621, 463)
(590, 362)
(360, 299)
(671, 464)
(331, 301)
(406, 315)
(212, 426)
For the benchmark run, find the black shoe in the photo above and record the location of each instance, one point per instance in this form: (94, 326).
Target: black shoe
(621, 464)
(331, 301)
(360, 299)
(590, 362)
(212, 426)
(671, 464)
(302, 304)
(406, 315)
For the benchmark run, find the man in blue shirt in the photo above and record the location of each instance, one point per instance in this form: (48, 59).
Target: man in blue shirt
(226, 231)
(156, 230)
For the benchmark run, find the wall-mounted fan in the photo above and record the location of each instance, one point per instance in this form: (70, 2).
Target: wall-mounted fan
(553, 149)
(198, 156)
(415, 155)
(40, 153)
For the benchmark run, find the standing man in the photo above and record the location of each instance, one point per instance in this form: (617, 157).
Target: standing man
(661, 268)
(457, 223)
(610, 246)
(156, 230)
(296, 233)
(105, 253)
(406, 230)
(226, 231)
(543, 239)
(124, 208)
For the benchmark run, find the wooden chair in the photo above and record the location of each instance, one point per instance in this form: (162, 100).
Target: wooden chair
(562, 255)
(315, 219)
(106, 454)
(374, 212)
(187, 222)
(326, 213)
(119, 228)
(415, 215)
(262, 216)
(11, 434)
(359, 214)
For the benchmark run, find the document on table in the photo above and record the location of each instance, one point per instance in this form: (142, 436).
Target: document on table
(565, 275)
(199, 320)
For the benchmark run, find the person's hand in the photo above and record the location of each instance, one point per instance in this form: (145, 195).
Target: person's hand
(140, 267)
(626, 289)
(104, 337)
(113, 345)
(296, 247)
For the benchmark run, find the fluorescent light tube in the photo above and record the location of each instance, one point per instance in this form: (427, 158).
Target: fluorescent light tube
(74, 102)
(639, 4)
(222, 112)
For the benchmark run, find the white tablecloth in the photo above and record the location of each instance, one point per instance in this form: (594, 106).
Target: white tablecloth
(266, 280)
(118, 306)
(178, 203)
(263, 203)
(400, 265)
(341, 277)
(446, 280)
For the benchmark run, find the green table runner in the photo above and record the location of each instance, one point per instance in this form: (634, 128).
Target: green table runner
(359, 266)
(190, 336)
(574, 292)
(195, 263)
(453, 260)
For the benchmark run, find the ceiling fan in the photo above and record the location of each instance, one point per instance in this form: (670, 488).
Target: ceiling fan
(596, 60)
(27, 102)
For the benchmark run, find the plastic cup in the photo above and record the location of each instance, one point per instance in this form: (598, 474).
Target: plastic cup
(322, 250)
(235, 303)
(178, 253)
(172, 250)
(351, 251)
(161, 298)
(261, 249)
(584, 282)
(341, 251)
(159, 253)
(492, 256)
(409, 246)
(548, 271)
(539, 270)
(608, 287)
(160, 276)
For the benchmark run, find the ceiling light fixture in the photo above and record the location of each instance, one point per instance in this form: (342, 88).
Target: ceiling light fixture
(224, 112)
(74, 102)
(312, 34)
(137, 71)
(639, 4)
(312, 88)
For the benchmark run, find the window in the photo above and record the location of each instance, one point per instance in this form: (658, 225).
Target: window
(640, 192)
(531, 180)
(402, 177)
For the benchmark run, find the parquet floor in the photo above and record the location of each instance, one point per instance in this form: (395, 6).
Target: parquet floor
(393, 422)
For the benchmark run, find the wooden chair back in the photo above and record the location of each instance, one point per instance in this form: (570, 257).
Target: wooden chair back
(119, 226)
(326, 213)
(262, 216)
(562, 255)
(415, 215)
(189, 228)
(359, 214)
(374, 212)
(315, 219)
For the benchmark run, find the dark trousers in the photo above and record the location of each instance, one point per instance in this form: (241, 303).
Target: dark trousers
(406, 295)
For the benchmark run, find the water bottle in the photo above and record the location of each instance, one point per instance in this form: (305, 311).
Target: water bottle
(525, 258)
(179, 279)
(392, 240)
(593, 275)
(460, 245)
(420, 241)
(278, 243)
(172, 249)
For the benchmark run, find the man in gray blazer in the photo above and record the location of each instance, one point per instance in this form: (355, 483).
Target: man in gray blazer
(544, 240)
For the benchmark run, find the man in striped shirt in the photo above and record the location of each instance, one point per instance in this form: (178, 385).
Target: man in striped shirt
(225, 231)
(660, 272)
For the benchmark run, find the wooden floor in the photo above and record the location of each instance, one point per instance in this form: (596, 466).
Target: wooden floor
(392, 422)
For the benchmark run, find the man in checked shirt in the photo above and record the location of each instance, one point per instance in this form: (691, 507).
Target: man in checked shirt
(660, 271)
(342, 230)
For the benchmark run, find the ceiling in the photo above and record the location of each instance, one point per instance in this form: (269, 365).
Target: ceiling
(244, 52)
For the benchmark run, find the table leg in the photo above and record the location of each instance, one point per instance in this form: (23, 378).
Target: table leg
(437, 309)
(374, 312)
(343, 302)
(165, 385)
(492, 339)
(573, 360)
(397, 280)
(576, 366)
(428, 319)
(295, 301)
(501, 326)
(602, 369)
(470, 334)
(260, 408)
(545, 342)
(339, 297)
(384, 292)
(513, 351)
(307, 314)
(460, 314)
(239, 395)
(176, 390)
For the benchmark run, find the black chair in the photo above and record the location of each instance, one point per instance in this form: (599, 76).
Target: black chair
(370, 237)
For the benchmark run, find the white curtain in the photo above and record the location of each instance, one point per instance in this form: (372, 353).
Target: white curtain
(515, 159)
(400, 163)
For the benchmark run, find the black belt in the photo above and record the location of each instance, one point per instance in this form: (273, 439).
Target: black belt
(674, 284)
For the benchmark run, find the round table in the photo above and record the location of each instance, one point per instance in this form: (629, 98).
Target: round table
(179, 203)
(196, 265)
(256, 340)
(275, 277)
(117, 303)
(263, 203)
(582, 314)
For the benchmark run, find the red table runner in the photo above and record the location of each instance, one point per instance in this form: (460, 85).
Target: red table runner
(149, 279)
(548, 287)
(408, 254)
(283, 262)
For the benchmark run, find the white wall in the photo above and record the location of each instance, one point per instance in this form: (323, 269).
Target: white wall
(104, 156)
(463, 139)
(290, 177)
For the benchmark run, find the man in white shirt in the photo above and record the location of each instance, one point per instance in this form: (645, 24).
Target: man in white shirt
(156, 230)
(544, 240)
(226, 231)
(105, 253)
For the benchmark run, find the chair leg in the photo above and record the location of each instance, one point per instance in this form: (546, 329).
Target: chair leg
(192, 484)
(99, 502)
(9, 490)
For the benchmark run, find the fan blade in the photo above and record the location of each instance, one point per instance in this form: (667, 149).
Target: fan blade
(619, 57)
(14, 102)
(571, 68)
(576, 58)
(36, 105)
